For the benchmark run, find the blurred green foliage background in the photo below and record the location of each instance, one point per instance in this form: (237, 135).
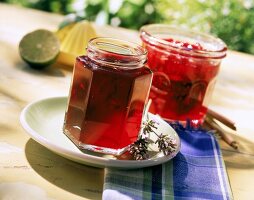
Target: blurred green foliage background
(230, 20)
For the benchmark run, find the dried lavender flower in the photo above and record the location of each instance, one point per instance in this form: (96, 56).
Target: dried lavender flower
(148, 126)
(139, 149)
(166, 144)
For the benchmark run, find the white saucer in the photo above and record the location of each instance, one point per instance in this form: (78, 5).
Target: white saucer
(43, 121)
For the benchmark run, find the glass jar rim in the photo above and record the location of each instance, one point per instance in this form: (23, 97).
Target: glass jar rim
(148, 34)
(124, 54)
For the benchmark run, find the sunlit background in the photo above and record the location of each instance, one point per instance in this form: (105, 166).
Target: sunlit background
(231, 20)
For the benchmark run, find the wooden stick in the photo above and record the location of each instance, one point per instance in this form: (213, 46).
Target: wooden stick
(226, 137)
(221, 119)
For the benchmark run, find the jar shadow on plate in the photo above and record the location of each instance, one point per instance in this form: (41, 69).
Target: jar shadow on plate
(63, 172)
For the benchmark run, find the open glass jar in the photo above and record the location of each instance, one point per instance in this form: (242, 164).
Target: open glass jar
(185, 66)
(109, 89)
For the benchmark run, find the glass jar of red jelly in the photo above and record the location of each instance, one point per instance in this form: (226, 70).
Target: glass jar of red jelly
(185, 66)
(109, 89)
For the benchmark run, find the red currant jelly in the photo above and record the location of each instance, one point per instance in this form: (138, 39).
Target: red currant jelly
(185, 66)
(110, 87)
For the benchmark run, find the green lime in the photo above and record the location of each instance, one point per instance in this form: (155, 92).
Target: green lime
(39, 48)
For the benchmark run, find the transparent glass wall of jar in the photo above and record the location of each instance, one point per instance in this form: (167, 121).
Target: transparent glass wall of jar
(185, 65)
(109, 89)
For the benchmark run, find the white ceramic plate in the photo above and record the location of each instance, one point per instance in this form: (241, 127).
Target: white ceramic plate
(43, 121)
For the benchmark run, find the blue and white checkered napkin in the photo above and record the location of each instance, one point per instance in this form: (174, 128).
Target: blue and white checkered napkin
(197, 172)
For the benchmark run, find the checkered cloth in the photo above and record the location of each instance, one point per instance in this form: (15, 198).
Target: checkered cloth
(197, 172)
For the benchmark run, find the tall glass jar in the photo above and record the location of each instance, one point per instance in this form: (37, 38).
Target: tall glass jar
(185, 65)
(109, 89)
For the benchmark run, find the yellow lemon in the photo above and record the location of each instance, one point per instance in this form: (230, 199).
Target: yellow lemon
(75, 42)
(62, 32)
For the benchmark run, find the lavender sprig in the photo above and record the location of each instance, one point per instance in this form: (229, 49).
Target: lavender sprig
(139, 149)
(148, 127)
(166, 144)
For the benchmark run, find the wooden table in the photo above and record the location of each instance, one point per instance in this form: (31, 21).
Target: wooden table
(27, 168)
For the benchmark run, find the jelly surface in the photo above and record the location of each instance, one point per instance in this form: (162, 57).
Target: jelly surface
(106, 104)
